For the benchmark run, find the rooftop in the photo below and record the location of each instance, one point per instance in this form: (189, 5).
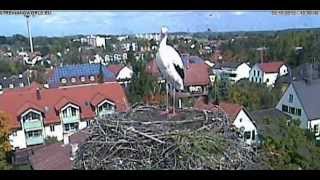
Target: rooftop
(271, 67)
(51, 99)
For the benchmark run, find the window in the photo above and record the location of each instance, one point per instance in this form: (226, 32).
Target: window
(83, 79)
(292, 110)
(316, 128)
(73, 112)
(31, 116)
(258, 73)
(285, 108)
(92, 78)
(253, 134)
(240, 119)
(251, 79)
(11, 86)
(256, 80)
(88, 123)
(14, 133)
(70, 111)
(65, 113)
(267, 80)
(247, 135)
(52, 128)
(34, 134)
(63, 80)
(299, 112)
(290, 98)
(21, 85)
(73, 80)
(0, 86)
(254, 72)
(71, 127)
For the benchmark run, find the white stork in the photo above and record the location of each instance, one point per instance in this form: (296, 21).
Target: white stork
(170, 65)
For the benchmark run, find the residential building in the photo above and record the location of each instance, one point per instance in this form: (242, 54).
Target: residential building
(78, 74)
(95, 41)
(58, 156)
(58, 112)
(238, 116)
(196, 80)
(267, 72)
(232, 71)
(300, 101)
(122, 73)
(14, 81)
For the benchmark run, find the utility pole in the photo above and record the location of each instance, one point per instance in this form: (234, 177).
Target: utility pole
(29, 33)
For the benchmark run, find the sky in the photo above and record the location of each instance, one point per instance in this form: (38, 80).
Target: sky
(63, 23)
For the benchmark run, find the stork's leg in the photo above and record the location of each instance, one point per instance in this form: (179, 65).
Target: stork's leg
(174, 100)
(167, 91)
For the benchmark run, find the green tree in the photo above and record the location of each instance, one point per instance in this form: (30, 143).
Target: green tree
(5, 146)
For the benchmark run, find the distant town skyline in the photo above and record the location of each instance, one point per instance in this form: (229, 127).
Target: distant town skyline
(64, 23)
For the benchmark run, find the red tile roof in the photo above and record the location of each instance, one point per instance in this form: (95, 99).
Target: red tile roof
(63, 102)
(196, 74)
(98, 98)
(51, 98)
(153, 69)
(231, 109)
(52, 157)
(271, 67)
(115, 68)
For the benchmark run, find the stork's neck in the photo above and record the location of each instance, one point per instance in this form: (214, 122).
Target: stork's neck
(164, 41)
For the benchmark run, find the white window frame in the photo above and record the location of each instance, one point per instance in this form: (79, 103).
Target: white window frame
(92, 78)
(73, 80)
(63, 80)
(82, 78)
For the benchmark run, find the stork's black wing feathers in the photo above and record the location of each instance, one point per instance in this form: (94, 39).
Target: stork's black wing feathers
(179, 70)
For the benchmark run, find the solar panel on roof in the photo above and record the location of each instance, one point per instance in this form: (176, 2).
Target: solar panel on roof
(78, 70)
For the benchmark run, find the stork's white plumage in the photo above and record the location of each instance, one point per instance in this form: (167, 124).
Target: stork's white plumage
(170, 64)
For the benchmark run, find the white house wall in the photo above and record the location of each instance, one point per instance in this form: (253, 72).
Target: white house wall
(246, 123)
(125, 73)
(82, 124)
(271, 77)
(295, 103)
(242, 71)
(283, 70)
(58, 131)
(18, 141)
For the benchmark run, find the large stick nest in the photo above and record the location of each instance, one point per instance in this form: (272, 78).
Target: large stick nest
(143, 139)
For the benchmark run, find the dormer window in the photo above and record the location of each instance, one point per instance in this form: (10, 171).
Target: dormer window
(63, 80)
(73, 79)
(11, 86)
(83, 79)
(92, 78)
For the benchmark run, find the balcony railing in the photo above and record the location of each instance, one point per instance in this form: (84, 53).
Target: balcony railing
(34, 140)
(71, 119)
(32, 125)
(105, 112)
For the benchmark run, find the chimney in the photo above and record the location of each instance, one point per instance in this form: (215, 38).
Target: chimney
(38, 94)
